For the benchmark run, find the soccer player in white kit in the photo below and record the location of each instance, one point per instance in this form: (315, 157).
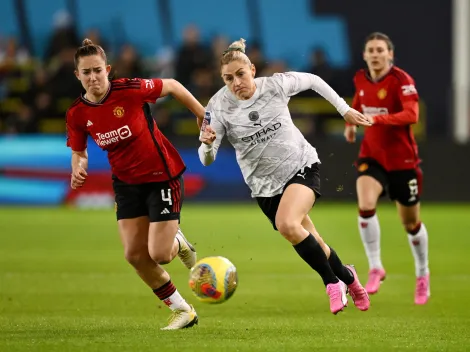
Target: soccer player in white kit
(278, 164)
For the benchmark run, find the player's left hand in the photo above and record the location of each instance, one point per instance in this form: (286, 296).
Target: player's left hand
(354, 117)
(207, 136)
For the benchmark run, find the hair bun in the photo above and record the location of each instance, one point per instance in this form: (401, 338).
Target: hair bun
(238, 45)
(86, 42)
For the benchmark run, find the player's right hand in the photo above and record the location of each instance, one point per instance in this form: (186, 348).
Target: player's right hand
(78, 177)
(350, 133)
(354, 117)
(208, 135)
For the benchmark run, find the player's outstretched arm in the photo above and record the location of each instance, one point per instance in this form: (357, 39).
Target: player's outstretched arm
(408, 116)
(350, 115)
(79, 167)
(293, 83)
(180, 93)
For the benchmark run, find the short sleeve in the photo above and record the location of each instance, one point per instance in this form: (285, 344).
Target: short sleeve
(150, 89)
(76, 134)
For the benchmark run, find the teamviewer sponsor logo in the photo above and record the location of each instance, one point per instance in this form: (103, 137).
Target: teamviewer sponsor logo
(124, 132)
(373, 111)
(104, 139)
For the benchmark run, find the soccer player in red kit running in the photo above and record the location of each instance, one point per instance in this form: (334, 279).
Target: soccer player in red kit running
(388, 159)
(147, 169)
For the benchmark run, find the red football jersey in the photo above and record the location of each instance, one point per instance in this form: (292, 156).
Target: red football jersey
(390, 141)
(121, 124)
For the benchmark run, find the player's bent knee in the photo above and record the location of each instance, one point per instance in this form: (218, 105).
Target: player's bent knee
(160, 257)
(410, 226)
(136, 258)
(291, 230)
(409, 218)
(367, 204)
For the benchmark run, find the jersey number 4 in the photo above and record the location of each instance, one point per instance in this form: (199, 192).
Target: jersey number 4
(167, 198)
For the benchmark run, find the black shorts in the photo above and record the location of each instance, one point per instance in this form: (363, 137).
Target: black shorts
(307, 176)
(160, 201)
(404, 186)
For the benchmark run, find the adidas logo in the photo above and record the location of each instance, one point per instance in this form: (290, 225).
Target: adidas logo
(165, 211)
(89, 123)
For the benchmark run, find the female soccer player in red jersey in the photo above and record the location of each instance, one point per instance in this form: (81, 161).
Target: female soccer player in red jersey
(388, 159)
(147, 169)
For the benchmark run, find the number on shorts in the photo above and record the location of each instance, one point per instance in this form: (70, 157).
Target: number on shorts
(167, 198)
(413, 185)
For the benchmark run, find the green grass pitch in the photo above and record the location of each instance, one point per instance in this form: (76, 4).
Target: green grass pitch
(65, 286)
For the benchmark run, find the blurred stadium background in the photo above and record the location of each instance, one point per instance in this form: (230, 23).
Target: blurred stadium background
(60, 268)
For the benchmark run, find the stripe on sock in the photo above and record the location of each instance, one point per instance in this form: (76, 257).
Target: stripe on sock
(366, 213)
(165, 291)
(416, 229)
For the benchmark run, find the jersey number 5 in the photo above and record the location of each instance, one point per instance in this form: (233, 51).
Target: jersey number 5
(167, 198)
(413, 185)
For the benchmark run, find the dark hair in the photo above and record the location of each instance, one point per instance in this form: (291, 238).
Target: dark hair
(380, 36)
(89, 49)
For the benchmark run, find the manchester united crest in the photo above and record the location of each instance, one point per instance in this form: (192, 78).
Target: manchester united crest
(118, 111)
(382, 93)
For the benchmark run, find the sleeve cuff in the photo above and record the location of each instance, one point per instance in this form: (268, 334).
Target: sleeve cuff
(343, 108)
(206, 147)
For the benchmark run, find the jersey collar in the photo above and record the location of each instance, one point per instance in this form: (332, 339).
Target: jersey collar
(369, 77)
(101, 102)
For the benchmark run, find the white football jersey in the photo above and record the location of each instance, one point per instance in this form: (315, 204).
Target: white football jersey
(270, 149)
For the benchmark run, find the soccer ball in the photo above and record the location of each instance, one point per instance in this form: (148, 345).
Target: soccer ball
(213, 279)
